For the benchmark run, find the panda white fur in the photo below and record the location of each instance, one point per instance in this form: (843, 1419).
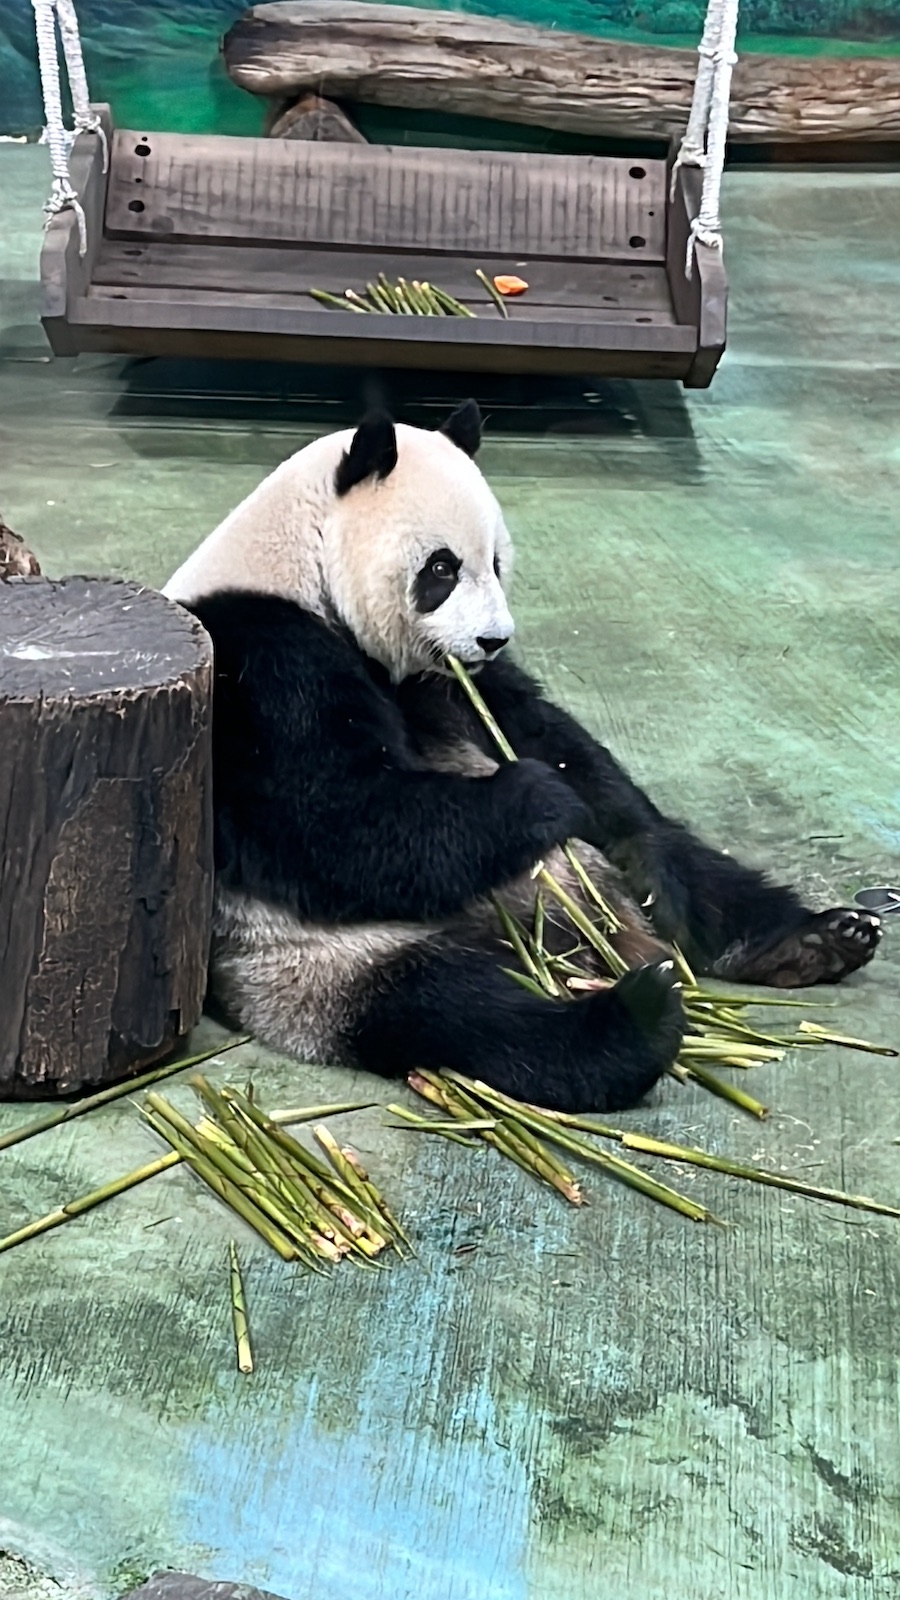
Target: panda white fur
(363, 822)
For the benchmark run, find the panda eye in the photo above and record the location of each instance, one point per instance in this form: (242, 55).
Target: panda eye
(436, 581)
(496, 566)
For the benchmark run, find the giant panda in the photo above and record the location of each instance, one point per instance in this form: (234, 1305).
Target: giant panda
(363, 823)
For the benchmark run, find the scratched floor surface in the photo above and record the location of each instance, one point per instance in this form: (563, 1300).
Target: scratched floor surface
(588, 1406)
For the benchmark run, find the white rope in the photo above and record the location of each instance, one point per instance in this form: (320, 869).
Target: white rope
(86, 119)
(706, 137)
(63, 197)
(692, 151)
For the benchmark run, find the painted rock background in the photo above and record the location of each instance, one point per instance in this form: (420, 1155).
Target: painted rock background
(157, 61)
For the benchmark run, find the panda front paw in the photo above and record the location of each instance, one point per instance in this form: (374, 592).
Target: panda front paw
(538, 809)
(824, 949)
(639, 1026)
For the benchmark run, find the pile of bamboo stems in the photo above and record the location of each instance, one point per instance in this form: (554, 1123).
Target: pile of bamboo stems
(400, 299)
(306, 1209)
(405, 298)
(526, 1134)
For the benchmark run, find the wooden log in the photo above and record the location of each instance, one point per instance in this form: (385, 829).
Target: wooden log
(446, 61)
(105, 831)
(313, 118)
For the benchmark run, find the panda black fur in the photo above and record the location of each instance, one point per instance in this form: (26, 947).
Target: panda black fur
(362, 820)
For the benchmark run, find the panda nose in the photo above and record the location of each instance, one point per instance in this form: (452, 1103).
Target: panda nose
(491, 646)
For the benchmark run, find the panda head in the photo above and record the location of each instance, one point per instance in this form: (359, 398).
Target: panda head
(416, 548)
(389, 531)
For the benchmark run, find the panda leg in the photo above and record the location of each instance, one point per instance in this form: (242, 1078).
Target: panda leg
(455, 1008)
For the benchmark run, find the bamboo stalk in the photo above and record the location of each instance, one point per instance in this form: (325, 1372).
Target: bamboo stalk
(296, 1114)
(825, 1036)
(523, 979)
(727, 1091)
(79, 1108)
(86, 1202)
(535, 969)
(239, 1313)
(350, 1177)
(326, 299)
(388, 290)
(432, 1125)
(378, 298)
(454, 306)
(305, 1161)
(493, 291)
(737, 1169)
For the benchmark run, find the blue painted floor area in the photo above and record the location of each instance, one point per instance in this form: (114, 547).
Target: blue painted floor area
(545, 1404)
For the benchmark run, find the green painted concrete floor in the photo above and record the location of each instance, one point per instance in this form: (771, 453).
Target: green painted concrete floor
(610, 1405)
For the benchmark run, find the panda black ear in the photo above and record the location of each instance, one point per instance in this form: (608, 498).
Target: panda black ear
(463, 428)
(372, 453)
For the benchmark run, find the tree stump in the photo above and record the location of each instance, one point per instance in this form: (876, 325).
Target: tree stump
(16, 560)
(313, 118)
(106, 864)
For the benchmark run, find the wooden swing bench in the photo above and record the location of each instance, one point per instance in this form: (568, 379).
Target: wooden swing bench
(208, 246)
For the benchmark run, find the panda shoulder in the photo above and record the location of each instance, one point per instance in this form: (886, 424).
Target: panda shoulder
(265, 645)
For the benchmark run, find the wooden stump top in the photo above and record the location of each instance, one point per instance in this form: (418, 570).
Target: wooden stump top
(77, 637)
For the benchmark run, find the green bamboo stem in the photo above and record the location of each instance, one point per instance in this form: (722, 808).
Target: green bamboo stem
(457, 308)
(86, 1202)
(726, 1091)
(337, 1215)
(531, 984)
(79, 1108)
(822, 1035)
(738, 1169)
(389, 292)
(294, 1115)
(536, 970)
(349, 1176)
(591, 890)
(334, 300)
(432, 1125)
(239, 1313)
(378, 298)
(493, 291)
(409, 296)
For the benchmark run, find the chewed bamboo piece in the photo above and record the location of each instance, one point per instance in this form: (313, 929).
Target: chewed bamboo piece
(239, 1313)
(718, 1033)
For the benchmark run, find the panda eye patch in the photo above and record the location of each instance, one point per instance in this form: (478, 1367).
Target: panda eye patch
(496, 566)
(436, 581)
